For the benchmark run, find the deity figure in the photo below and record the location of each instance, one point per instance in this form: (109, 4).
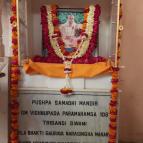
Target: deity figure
(70, 33)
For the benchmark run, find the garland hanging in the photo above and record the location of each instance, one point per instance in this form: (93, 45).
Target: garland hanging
(59, 46)
(113, 106)
(14, 76)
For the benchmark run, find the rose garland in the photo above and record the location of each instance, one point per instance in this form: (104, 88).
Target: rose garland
(113, 107)
(14, 76)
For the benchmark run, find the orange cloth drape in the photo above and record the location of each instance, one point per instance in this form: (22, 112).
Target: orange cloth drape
(57, 70)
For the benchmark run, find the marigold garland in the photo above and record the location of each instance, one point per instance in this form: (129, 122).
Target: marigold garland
(113, 106)
(14, 77)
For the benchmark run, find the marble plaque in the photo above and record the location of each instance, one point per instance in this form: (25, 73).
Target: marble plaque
(50, 118)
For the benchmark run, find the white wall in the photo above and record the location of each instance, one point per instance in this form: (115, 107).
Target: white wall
(131, 114)
(6, 29)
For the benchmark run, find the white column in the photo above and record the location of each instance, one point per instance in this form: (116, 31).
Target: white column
(6, 27)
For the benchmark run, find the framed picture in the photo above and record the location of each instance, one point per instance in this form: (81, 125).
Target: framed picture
(71, 21)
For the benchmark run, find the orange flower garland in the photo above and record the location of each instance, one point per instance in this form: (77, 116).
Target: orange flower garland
(113, 107)
(14, 76)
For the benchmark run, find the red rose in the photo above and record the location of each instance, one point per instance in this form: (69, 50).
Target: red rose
(14, 41)
(15, 62)
(14, 29)
(12, 19)
(14, 104)
(55, 21)
(14, 8)
(15, 52)
(14, 82)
